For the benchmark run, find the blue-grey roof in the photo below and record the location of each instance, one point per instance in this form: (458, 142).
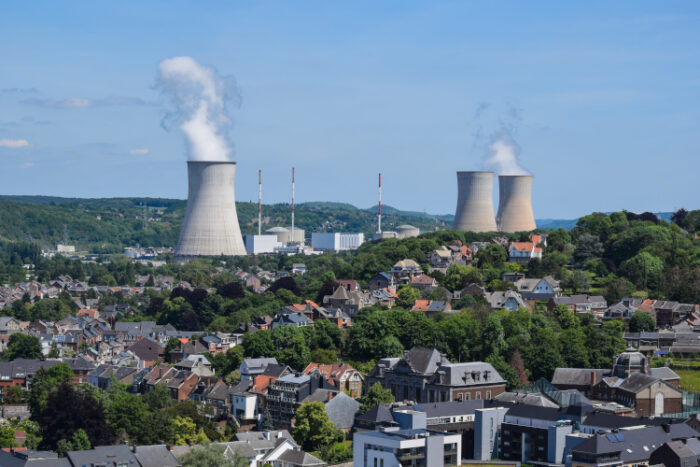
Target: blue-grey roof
(341, 410)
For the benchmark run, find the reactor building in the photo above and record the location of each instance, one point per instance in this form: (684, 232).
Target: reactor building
(475, 202)
(211, 225)
(515, 203)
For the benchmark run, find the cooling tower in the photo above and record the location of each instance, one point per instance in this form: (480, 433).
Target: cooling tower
(515, 203)
(475, 202)
(211, 223)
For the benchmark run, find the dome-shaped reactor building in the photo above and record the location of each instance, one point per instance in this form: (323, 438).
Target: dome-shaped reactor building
(211, 225)
(630, 361)
(475, 202)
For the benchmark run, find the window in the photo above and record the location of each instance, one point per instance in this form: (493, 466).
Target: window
(467, 396)
(488, 395)
(381, 463)
(459, 396)
(375, 462)
(478, 395)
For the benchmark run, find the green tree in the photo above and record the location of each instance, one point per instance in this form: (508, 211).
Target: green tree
(544, 354)
(23, 346)
(186, 432)
(640, 322)
(407, 297)
(258, 344)
(125, 413)
(63, 446)
(54, 352)
(14, 395)
(81, 442)
(44, 381)
(374, 396)
(313, 429)
(644, 270)
(389, 347)
(213, 456)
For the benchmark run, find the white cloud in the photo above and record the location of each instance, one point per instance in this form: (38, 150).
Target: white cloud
(26, 165)
(139, 152)
(81, 102)
(14, 143)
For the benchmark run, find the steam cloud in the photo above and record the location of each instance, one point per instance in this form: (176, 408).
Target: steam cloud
(504, 158)
(501, 146)
(199, 96)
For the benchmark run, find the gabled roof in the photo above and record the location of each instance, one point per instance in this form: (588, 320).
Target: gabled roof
(147, 349)
(422, 360)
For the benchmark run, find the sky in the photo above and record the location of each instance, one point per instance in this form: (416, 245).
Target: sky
(601, 99)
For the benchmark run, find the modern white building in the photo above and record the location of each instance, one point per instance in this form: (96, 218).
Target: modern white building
(260, 244)
(412, 443)
(336, 241)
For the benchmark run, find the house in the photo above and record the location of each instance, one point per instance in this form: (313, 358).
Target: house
(341, 376)
(382, 281)
(404, 270)
(425, 375)
(508, 300)
(423, 282)
(431, 306)
(147, 351)
(291, 319)
(539, 239)
(542, 289)
(251, 367)
(286, 394)
(522, 252)
(104, 374)
(341, 410)
(384, 297)
(441, 258)
(647, 395)
(244, 404)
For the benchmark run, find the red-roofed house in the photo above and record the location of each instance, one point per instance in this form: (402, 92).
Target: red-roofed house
(539, 239)
(424, 281)
(421, 305)
(91, 312)
(522, 252)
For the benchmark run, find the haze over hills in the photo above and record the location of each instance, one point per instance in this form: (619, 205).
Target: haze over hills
(109, 224)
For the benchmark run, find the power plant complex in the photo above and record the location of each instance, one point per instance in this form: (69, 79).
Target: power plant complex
(211, 225)
(475, 203)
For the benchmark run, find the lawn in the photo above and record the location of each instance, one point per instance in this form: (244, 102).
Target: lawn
(690, 379)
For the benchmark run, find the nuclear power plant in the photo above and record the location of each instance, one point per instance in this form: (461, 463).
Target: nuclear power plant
(475, 202)
(515, 203)
(211, 225)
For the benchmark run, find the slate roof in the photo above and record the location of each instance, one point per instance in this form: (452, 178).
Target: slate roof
(147, 349)
(32, 459)
(664, 373)
(425, 361)
(610, 421)
(341, 410)
(636, 382)
(321, 395)
(631, 446)
(467, 374)
(378, 414)
(452, 408)
(577, 376)
(535, 399)
(537, 413)
(117, 454)
(299, 458)
(157, 455)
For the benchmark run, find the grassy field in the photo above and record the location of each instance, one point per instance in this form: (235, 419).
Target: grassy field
(690, 379)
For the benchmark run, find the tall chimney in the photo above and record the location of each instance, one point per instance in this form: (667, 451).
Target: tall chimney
(211, 225)
(475, 202)
(379, 206)
(515, 203)
(259, 202)
(292, 204)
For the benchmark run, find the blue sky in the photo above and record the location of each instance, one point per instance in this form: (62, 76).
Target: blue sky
(601, 97)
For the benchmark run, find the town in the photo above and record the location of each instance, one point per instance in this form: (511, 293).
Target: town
(520, 348)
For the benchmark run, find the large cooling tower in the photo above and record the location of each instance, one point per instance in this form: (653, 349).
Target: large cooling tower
(475, 202)
(515, 203)
(211, 223)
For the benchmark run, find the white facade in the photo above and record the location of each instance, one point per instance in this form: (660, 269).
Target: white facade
(65, 248)
(259, 244)
(383, 448)
(244, 406)
(336, 241)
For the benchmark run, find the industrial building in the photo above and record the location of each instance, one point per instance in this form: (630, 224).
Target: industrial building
(475, 202)
(515, 203)
(211, 225)
(261, 244)
(284, 234)
(336, 241)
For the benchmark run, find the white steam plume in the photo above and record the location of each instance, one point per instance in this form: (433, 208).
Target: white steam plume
(503, 158)
(199, 96)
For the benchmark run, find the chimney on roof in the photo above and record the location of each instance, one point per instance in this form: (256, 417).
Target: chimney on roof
(594, 378)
